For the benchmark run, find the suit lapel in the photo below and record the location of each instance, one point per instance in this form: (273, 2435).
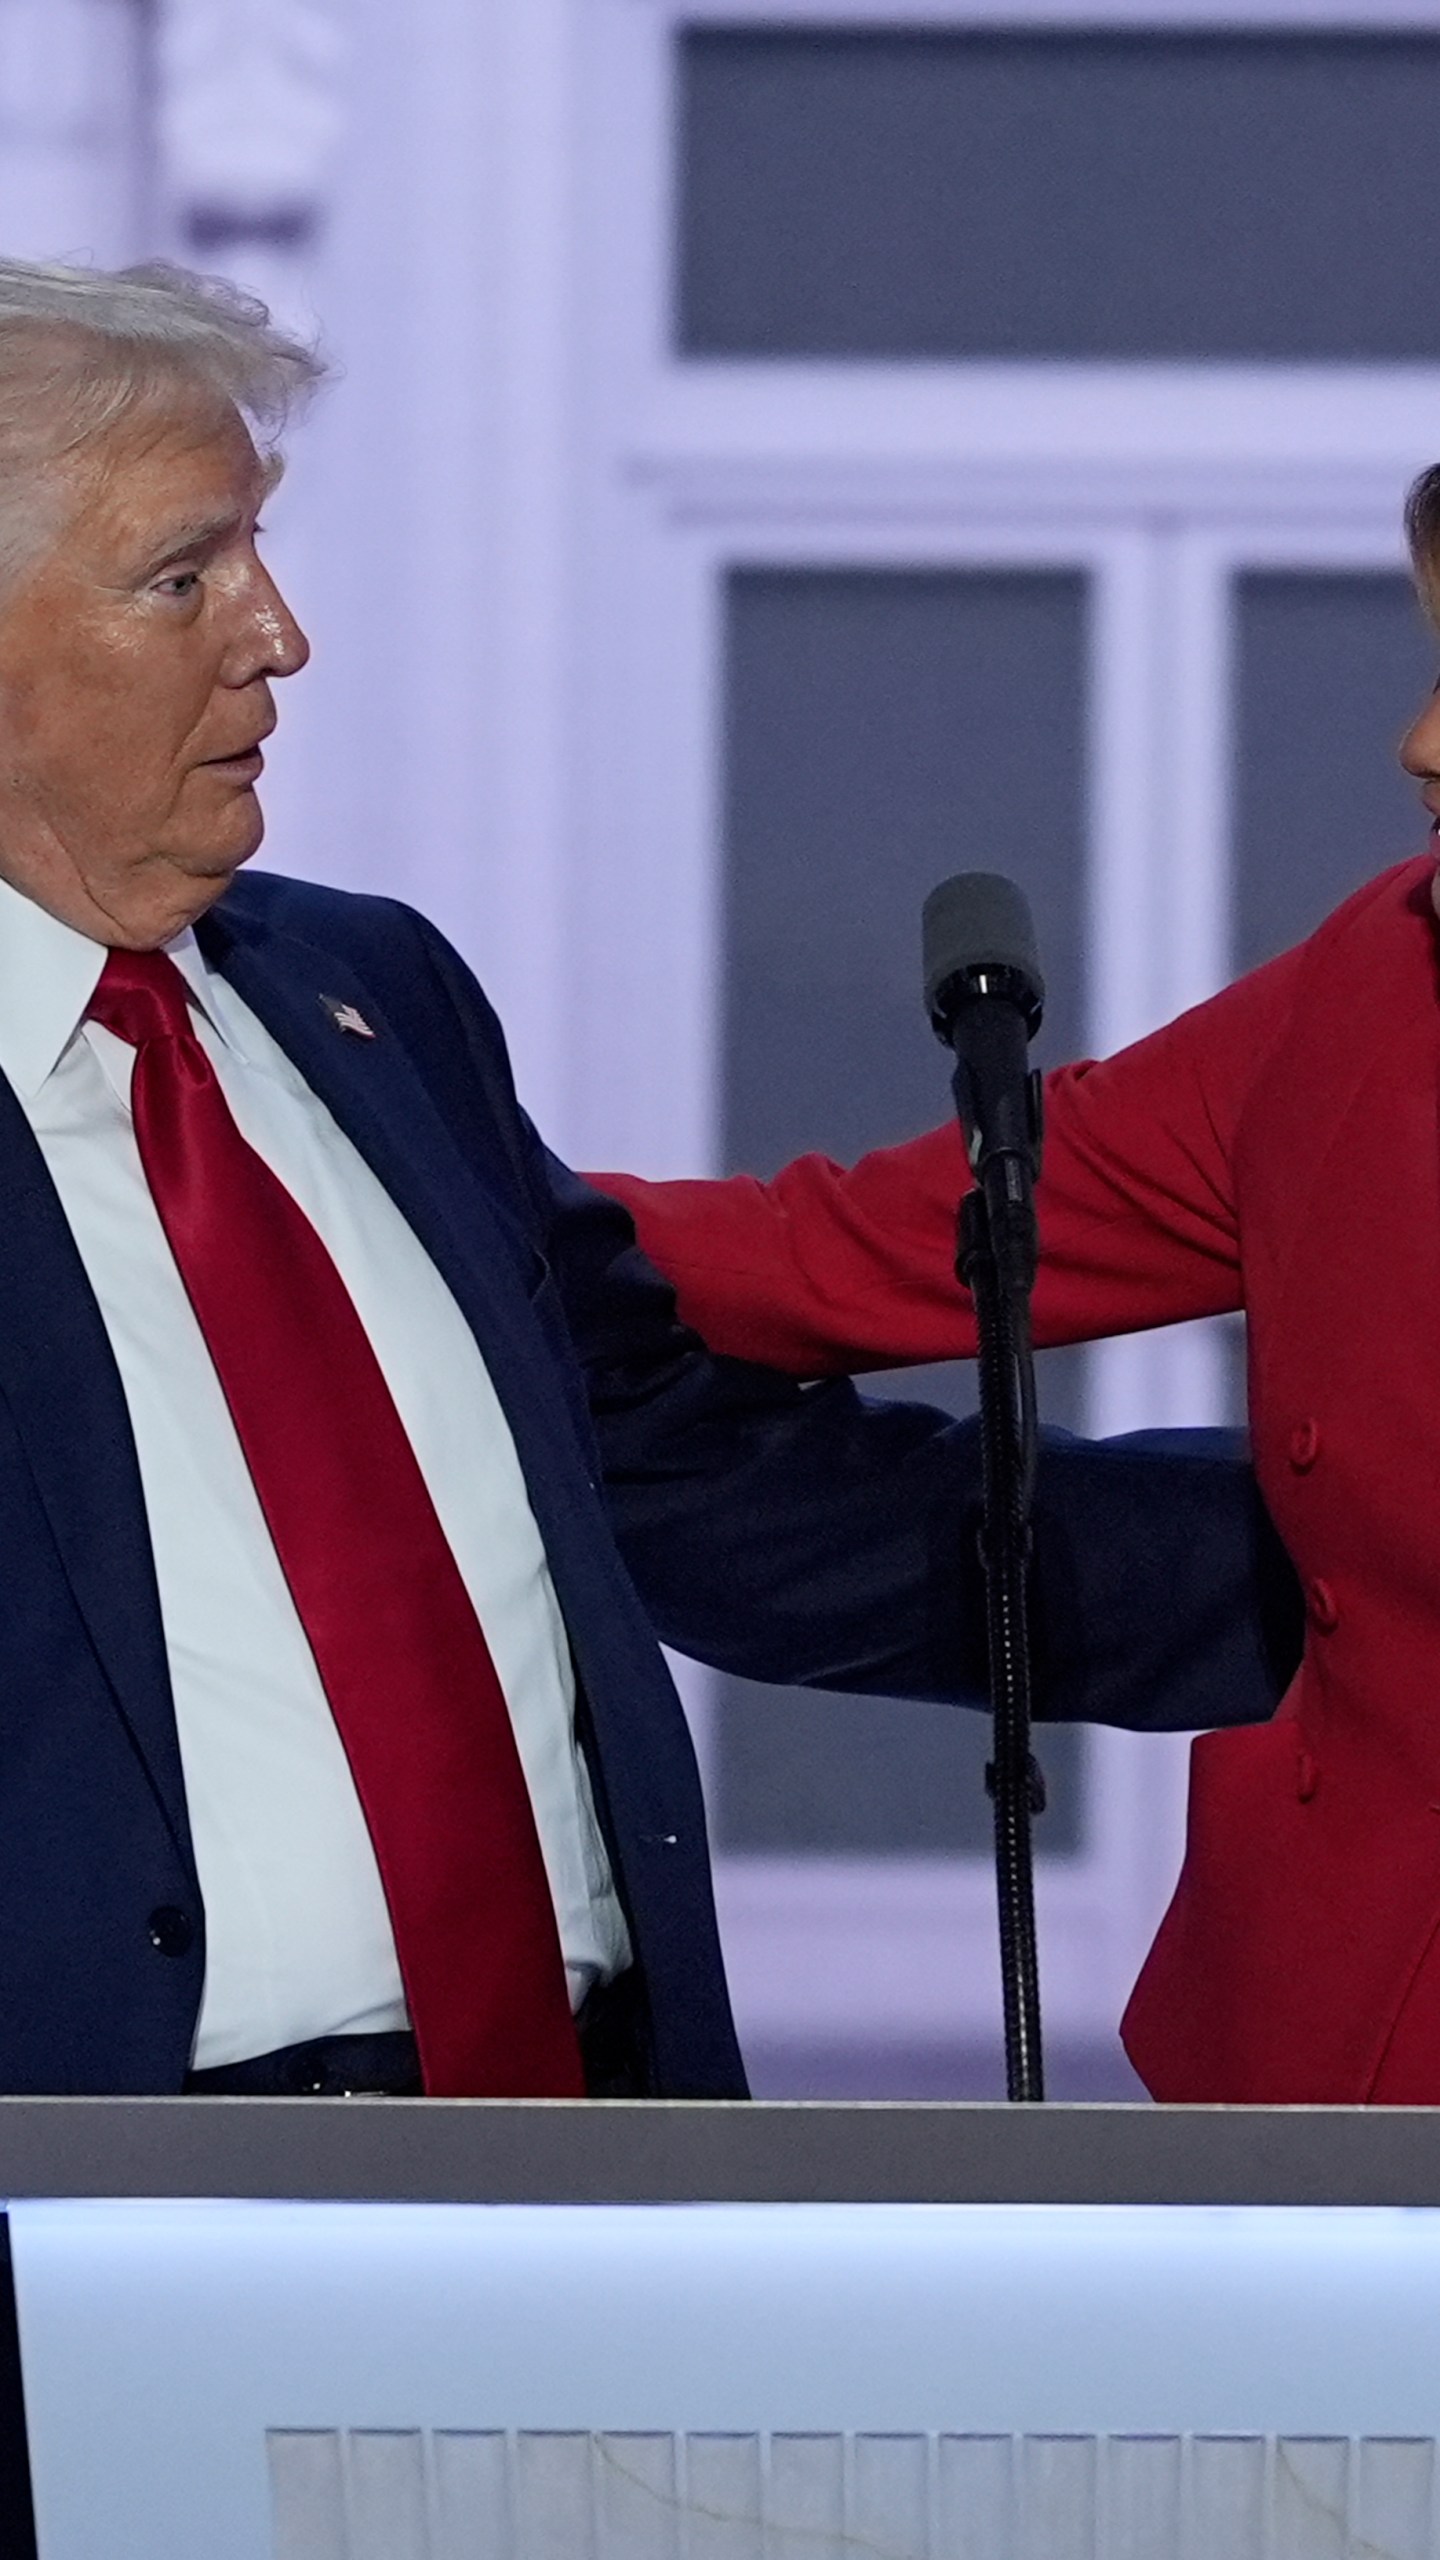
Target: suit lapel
(489, 1262)
(59, 1378)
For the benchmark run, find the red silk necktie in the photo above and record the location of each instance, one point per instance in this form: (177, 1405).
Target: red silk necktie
(398, 1646)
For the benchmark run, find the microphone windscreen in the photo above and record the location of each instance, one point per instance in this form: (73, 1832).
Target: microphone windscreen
(979, 920)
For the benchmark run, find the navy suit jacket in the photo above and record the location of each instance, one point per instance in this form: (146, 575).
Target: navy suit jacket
(794, 1534)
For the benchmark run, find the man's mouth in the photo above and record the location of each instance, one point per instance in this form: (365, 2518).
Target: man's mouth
(241, 760)
(247, 754)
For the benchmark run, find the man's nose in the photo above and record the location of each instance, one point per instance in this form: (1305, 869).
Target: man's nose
(272, 642)
(289, 650)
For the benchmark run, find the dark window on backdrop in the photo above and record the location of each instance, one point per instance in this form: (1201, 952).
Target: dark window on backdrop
(926, 193)
(883, 729)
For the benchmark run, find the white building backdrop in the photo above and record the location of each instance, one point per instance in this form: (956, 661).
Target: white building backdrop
(625, 534)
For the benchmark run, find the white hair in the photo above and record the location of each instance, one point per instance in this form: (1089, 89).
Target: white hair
(81, 350)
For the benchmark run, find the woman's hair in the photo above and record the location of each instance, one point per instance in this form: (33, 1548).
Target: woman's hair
(1422, 532)
(82, 350)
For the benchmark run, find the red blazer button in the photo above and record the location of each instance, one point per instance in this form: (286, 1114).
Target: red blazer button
(1307, 1777)
(1324, 1609)
(1304, 1445)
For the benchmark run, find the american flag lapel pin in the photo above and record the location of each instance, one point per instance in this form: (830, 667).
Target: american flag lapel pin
(347, 1017)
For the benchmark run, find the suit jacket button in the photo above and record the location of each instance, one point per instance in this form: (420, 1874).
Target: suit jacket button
(171, 1932)
(1304, 1445)
(1323, 1606)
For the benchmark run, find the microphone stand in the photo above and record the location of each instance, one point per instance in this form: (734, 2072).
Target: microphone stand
(1000, 1287)
(984, 995)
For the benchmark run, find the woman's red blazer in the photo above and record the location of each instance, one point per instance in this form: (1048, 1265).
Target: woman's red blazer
(1276, 1149)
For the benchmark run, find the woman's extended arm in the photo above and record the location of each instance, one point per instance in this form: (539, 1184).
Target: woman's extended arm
(827, 1268)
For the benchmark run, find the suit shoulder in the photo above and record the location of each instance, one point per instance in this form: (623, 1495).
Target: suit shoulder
(1377, 944)
(427, 993)
(1389, 914)
(348, 920)
(385, 941)
(1373, 953)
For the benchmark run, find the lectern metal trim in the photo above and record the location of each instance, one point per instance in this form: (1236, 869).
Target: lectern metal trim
(446, 2151)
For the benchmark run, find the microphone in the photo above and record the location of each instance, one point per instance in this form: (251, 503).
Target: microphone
(985, 996)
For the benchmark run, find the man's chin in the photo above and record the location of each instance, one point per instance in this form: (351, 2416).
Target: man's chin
(183, 891)
(212, 864)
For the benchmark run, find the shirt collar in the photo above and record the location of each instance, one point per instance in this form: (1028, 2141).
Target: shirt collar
(48, 974)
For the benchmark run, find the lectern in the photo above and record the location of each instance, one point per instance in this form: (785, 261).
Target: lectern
(377, 2330)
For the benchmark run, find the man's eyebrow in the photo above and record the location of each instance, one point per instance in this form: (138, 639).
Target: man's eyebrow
(198, 531)
(193, 534)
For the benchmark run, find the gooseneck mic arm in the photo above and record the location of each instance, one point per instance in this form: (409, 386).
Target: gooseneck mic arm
(984, 995)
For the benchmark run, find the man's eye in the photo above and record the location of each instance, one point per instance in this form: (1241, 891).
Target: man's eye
(181, 582)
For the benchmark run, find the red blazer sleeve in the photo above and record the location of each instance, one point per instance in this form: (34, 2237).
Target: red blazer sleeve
(832, 1268)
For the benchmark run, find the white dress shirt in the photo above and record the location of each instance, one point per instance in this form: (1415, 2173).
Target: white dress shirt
(298, 1936)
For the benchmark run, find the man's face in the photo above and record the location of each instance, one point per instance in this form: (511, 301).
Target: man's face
(135, 668)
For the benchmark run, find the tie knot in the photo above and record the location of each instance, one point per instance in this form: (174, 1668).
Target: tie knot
(141, 996)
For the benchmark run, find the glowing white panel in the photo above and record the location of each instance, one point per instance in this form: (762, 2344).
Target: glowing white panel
(950, 2382)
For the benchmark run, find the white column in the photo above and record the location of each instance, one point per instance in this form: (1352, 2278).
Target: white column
(250, 111)
(72, 119)
(1160, 881)
(402, 173)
